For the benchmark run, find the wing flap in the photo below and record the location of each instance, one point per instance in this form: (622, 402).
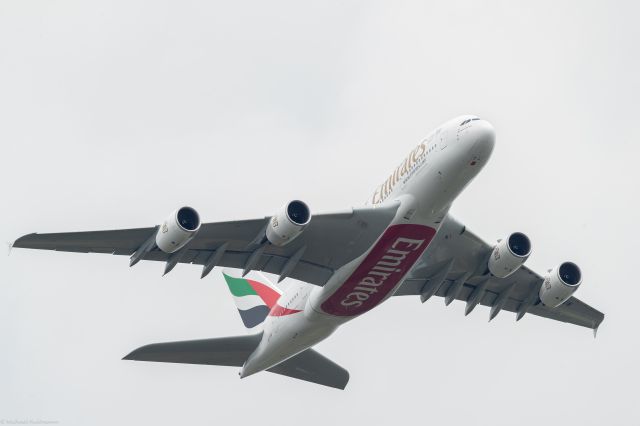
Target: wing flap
(573, 311)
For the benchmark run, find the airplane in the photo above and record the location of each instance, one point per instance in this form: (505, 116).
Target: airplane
(402, 242)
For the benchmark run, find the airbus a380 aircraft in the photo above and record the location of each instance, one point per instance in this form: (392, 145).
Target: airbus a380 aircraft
(402, 242)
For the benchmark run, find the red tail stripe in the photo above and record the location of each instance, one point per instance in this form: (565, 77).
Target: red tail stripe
(266, 293)
(279, 311)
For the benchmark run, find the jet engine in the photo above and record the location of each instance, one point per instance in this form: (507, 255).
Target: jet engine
(179, 228)
(509, 255)
(561, 282)
(288, 223)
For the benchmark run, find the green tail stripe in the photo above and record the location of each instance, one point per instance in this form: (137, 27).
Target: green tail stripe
(239, 286)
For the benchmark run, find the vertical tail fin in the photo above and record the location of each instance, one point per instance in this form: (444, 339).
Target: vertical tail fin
(254, 296)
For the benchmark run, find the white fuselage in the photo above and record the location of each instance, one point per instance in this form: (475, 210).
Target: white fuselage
(424, 184)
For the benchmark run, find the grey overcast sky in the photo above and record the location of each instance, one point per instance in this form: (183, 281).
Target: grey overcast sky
(114, 113)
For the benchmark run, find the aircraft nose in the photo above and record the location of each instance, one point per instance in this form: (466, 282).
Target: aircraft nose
(484, 138)
(484, 134)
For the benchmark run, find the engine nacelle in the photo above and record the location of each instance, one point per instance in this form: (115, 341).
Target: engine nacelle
(179, 228)
(561, 282)
(288, 223)
(509, 255)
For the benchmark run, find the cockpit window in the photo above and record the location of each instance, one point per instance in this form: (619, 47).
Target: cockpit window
(468, 121)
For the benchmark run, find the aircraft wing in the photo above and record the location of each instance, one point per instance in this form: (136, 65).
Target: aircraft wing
(328, 242)
(454, 267)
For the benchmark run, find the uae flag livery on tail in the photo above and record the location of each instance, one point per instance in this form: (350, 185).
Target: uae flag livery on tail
(254, 297)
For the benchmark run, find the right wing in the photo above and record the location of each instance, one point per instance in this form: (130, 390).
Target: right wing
(328, 242)
(454, 269)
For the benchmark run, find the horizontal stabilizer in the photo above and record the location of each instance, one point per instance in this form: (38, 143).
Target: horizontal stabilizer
(309, 365)
(229, 351)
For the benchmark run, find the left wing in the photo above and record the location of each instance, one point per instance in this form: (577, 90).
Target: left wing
(454, 267)
(328, 242)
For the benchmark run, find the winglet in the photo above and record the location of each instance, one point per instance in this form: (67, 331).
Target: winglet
(596, 324)
(10, 246)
